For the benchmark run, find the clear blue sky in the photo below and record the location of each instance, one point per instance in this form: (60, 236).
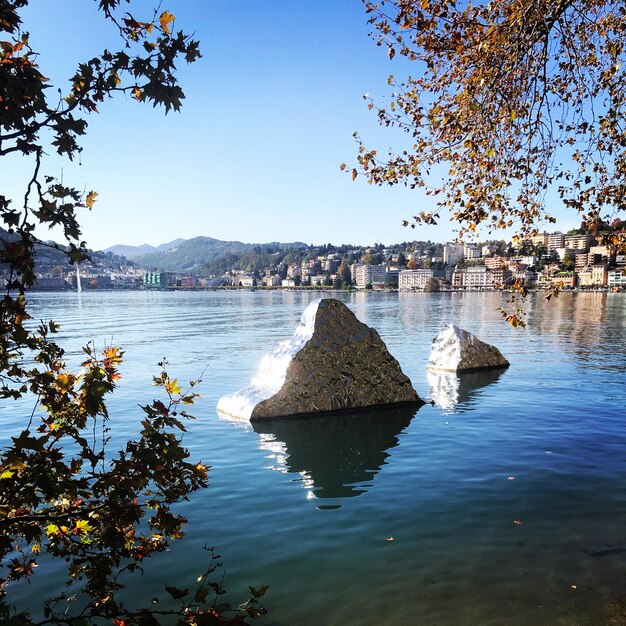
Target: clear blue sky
(254, 154)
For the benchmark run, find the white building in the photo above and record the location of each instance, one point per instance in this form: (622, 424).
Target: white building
(616, 279)
(369, 275)
(556, 240)
(410, 280)
(452, 252)
(470, 251)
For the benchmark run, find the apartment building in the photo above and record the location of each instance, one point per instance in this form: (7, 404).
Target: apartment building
(452, 252)
(413, 280)
(495, 263)
(556, 240)
(369, 275)
(577, 242)
(616, 278)
(471, 252)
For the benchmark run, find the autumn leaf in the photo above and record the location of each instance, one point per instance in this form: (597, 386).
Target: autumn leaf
(172, 387)
(165, 20)
(91, 198)
(82, 527)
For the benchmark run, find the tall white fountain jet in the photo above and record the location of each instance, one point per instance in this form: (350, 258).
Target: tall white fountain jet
(79, 287)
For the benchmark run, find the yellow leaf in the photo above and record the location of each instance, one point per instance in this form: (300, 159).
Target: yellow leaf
(51, 529)
(91, 198)
(83, 527)
(172, 387)
(6, 474)
(165, 20)
(65, 382)
(342, 167)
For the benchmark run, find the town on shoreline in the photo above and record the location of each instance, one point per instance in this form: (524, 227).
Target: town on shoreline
(573, 260)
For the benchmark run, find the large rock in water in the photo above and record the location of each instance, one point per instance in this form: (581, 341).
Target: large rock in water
(333, 363)
(456, 350)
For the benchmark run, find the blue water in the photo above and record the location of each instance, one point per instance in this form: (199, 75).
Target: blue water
(309, 507)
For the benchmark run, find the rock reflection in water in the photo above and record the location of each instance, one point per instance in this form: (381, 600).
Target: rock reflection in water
(337, 455)
(448, 389)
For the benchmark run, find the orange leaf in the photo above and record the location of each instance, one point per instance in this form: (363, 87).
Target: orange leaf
(91, 198)
(165, 20)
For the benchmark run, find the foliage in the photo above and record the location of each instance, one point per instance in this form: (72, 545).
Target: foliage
(210, 256)
(509, 99)
(63, 495)
(432, 285)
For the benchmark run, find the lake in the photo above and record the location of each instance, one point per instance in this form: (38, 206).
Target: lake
(506, 500)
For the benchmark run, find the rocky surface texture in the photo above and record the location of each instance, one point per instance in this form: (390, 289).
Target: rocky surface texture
(456, 350)
(344, 365)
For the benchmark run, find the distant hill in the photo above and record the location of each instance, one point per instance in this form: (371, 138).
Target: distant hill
(132, 252)
(192, 254)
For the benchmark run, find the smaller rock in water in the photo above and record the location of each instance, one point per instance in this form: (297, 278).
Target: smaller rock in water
(457, 350)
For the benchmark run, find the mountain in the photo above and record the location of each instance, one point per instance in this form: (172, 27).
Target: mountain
(191, 254)
(132, 252)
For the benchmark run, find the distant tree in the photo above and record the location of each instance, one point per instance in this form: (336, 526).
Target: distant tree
(569, 261)
(511, 98)
(337, 283)
(327, 282)
(372, 258)
(345, 274)
(401, 260)
(413, 264)
(432, 285)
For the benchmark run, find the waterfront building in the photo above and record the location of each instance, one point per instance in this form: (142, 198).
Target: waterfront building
(499, 277)
(599, 274)
(529, 277)
(495, 263)
(564, 279)
(616, 278)
(412, 280)
(369, 275)
(158, 280)
(480, 277)
(247, 281)
(392, 278)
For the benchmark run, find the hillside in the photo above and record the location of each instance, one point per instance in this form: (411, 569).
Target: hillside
(132, 252)
(193, 254)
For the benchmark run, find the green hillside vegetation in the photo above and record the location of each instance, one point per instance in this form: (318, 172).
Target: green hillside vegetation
(200, 253)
